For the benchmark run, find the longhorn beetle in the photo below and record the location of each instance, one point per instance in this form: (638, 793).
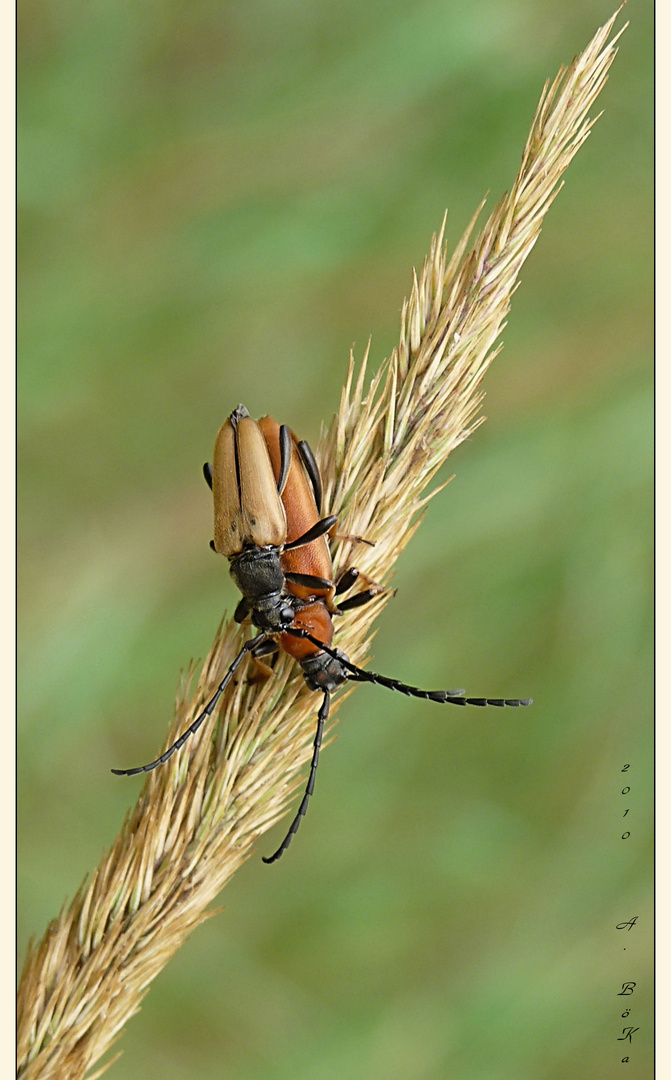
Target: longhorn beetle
(267, 498)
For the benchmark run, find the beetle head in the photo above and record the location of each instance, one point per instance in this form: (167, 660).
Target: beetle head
(324, 672)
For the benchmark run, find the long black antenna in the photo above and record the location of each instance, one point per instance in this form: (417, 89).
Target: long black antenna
(448, 697)
(302, 809)
(207, 712)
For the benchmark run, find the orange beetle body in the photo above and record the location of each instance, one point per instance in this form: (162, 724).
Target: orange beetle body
(301, 514)
(249, 467)
(315, 605)
(267, 496)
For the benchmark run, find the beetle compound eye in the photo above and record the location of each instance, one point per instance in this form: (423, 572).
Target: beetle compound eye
(287, 615)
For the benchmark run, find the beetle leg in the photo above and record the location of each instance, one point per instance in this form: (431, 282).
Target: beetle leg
(317, 530)
(359, 599)
(285, 457)
(347, 579)
(345, 582)
(293, 828)
(207, 473)
(263, 671)
(243, 610)
(309, 581)
(206, 713)
(312, 469)
(265, 648)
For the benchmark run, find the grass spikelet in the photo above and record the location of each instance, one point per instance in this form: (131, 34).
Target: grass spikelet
(198, 817)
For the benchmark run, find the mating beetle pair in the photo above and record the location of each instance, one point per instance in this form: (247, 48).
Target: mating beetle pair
(267, 499)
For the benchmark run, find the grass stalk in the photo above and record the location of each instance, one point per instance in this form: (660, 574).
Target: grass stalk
(198, 818)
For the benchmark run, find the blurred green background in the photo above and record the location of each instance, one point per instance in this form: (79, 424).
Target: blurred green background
(216, 201)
